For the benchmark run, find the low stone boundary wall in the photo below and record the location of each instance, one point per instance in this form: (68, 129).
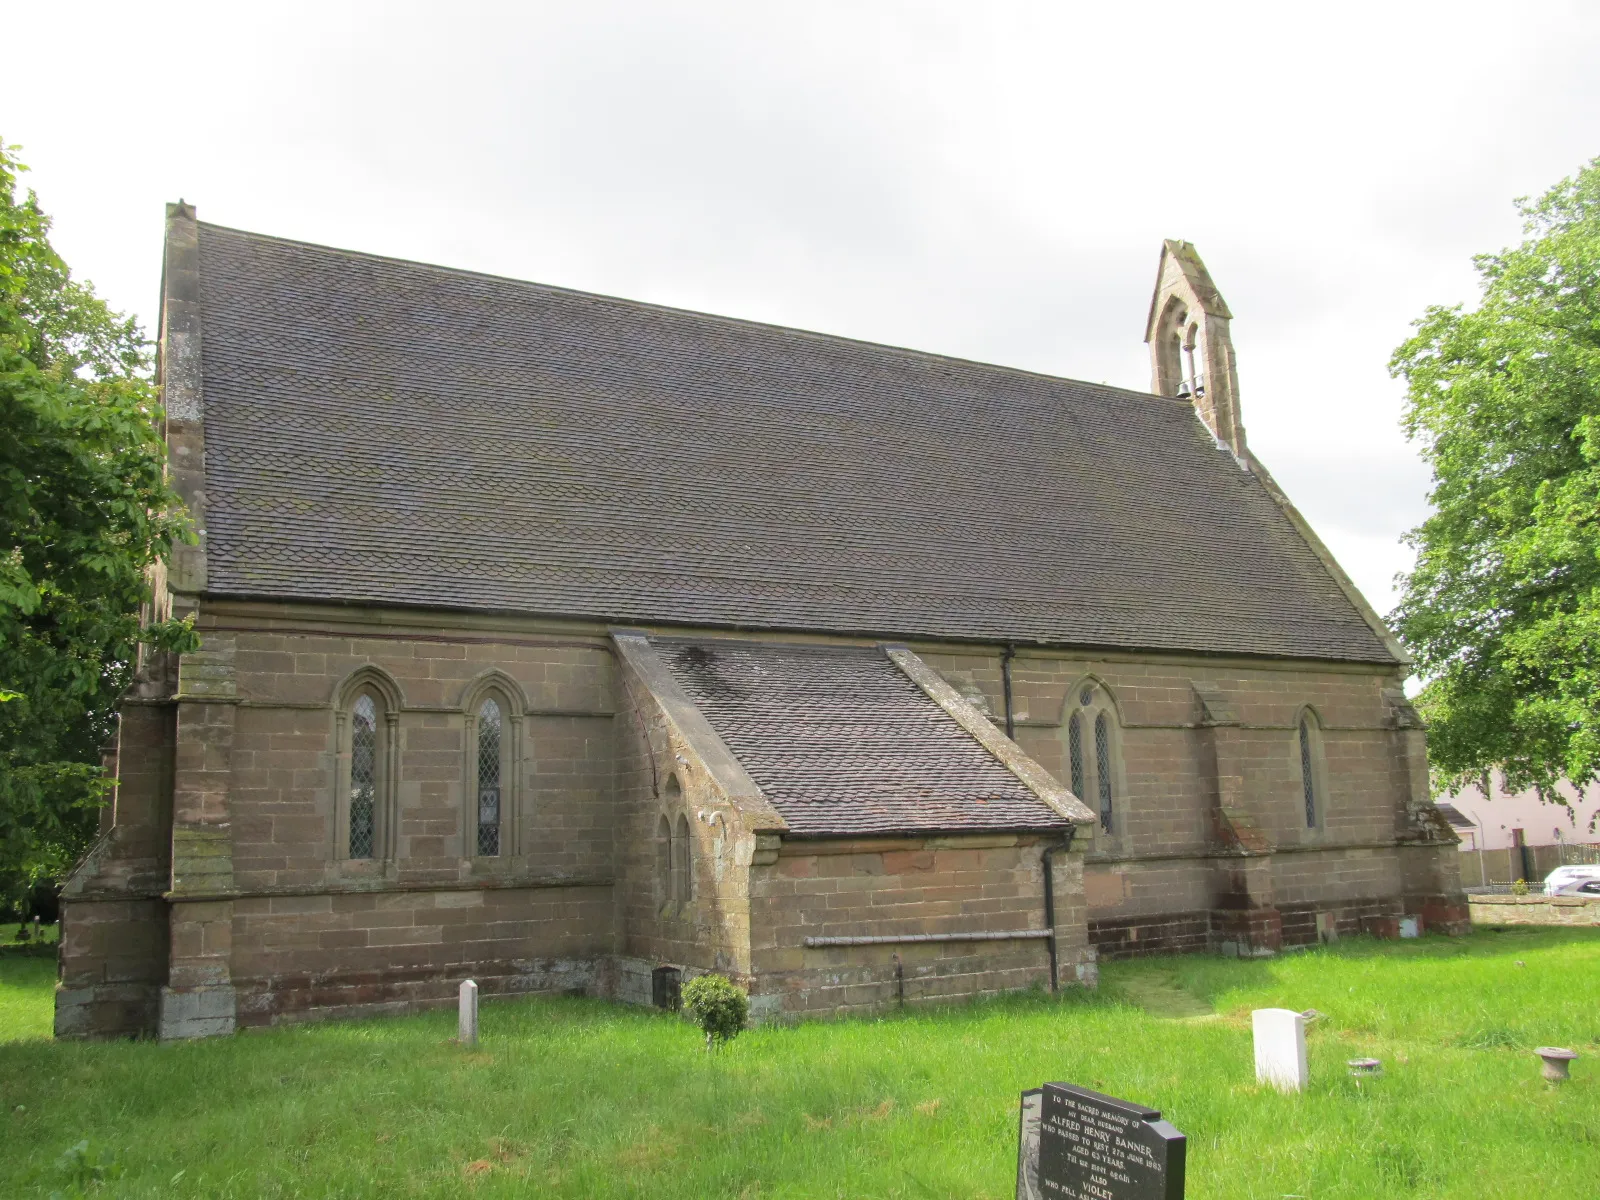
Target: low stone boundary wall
(1535, 910)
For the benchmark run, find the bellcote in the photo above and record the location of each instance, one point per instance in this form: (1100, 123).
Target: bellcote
(1191, 350)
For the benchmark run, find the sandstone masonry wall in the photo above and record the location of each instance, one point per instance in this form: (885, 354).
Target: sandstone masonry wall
(893, 887)
(1214, 852)
(223, 895)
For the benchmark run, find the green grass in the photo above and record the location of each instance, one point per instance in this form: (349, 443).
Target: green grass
(570, 1097)
(27, 985)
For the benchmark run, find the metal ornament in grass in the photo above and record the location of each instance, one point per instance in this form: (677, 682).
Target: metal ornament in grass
(718, 1006)
(1365, 1068)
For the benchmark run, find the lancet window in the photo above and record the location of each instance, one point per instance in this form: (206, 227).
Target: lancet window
(491, 741)
(682, 863)
(492, 774)
(363, 777)
(366, 714)
(1309, 747)
(663, 862)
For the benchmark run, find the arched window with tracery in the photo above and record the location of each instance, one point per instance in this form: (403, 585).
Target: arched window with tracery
(363, 808)
(491, 773)
(1092, 750)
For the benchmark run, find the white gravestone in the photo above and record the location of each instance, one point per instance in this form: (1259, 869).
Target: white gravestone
(1280, 1048)
(467, 1027)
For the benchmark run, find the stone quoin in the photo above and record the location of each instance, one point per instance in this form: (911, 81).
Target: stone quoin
(560, 642)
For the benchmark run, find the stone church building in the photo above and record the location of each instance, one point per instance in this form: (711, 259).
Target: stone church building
(570, 643)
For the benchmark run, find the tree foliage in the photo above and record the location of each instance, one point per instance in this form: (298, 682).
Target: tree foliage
(85, 509)
(1502, 610)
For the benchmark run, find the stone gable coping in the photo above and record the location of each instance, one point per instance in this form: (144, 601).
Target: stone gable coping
(1347, 585)
(691, 725)
(179, 368)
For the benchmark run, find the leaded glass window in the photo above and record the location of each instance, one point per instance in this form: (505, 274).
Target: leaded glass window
(1307, 776)
(1075, 753)
(1102, 768)
(489, 791)
(363, 777)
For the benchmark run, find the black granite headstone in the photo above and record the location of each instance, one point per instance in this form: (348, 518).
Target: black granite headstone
(1095, 1147)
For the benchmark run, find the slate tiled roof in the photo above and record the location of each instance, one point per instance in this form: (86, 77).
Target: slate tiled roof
(842, 742)
(1453, 814)
(385, 432)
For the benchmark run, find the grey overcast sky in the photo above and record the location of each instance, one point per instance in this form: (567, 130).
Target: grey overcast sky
(989, 180)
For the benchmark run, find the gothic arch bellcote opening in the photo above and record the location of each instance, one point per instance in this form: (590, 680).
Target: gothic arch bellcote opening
(1191, 348)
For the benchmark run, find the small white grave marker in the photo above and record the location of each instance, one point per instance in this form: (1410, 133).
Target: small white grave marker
(467, 1026)
(1280, 1048)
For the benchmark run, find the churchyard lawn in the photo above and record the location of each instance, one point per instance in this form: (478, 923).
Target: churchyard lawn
(572, 1097)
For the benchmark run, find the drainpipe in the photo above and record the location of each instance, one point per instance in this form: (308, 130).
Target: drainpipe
(1050, 897)
(1005, 682)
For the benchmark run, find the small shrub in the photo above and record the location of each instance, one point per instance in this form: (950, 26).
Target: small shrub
(718, 1006)
(1519, 888)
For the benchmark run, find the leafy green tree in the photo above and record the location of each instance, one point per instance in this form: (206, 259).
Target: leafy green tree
(85, 509)
(1503, 608)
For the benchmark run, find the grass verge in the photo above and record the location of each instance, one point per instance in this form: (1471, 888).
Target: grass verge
(568, 1097)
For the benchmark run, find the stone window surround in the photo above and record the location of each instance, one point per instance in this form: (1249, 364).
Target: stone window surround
(499, 687)
(386, 698)
(1312, 721)
(1103, 702)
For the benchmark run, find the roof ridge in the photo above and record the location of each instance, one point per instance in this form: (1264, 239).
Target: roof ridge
(740, 322)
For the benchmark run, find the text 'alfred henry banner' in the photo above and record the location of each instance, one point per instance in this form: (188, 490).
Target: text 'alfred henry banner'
(1075, 1144)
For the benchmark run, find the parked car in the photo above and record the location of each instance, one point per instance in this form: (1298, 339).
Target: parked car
(1573, 881)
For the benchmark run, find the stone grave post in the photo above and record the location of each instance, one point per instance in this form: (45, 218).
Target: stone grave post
(1280, 1035)
(467, 1021)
